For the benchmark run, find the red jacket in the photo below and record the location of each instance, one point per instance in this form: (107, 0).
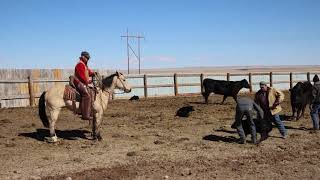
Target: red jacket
(82, 73)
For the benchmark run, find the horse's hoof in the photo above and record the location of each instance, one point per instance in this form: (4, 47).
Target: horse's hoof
(53, 139)
(99, 138)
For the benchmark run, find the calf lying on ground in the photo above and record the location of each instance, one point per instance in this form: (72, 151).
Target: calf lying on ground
(134, 98)
(225, 88)
(300, 96)
(184, 111)
(263, 127)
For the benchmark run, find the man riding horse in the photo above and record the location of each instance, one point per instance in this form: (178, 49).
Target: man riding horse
(82, 82)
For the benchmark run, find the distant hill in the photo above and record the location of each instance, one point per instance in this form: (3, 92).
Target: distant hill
(231, 69)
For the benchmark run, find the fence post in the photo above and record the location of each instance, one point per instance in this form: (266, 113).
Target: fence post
(228, 76)
(201, 82)
(175, 84)
(270, 77)
(31, 93)
(308, 76)
(145, 86)
(291, 83)
(250, 82)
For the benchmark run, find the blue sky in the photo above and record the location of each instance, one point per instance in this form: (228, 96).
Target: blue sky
(178, 33)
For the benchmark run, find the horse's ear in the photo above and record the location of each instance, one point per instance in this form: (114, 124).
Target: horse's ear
(117, 73)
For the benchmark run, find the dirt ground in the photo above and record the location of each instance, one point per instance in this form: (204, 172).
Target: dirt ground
(144, 140)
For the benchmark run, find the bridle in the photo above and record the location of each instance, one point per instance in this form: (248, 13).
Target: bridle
(101, 85)
(122, 85)
(104, 90)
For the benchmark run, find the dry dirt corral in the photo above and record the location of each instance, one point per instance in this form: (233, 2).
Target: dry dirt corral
(144, 140)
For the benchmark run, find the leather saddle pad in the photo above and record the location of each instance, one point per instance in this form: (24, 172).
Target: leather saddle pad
(71, 93)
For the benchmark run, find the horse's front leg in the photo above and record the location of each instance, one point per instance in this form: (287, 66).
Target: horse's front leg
(96, 126)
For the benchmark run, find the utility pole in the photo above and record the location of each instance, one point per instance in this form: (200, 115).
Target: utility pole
(128, 51)
(139, 51)
(130, 48)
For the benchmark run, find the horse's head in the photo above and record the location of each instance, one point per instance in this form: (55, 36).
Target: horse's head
(121, 83)
(117, 81)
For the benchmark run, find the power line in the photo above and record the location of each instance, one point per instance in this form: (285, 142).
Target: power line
(138, 37)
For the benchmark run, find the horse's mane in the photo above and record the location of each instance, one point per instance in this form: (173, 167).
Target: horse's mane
(108, 80)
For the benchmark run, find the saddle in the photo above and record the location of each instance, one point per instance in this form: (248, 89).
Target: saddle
(71, 93)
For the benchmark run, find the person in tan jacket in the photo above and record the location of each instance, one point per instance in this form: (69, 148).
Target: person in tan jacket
(269, 99)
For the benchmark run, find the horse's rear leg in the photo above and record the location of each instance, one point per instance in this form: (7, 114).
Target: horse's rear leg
(53, 117)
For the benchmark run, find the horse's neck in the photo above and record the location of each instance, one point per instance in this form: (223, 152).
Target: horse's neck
(103, 97)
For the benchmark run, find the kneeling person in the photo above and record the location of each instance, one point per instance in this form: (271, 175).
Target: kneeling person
(246, 107)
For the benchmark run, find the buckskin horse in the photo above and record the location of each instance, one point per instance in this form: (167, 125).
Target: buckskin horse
(51, 102)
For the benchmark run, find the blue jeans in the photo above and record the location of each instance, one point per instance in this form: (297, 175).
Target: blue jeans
(315, 115)
(280, 125)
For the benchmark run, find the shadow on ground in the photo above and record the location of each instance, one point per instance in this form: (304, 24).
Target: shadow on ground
(40, 134)
(226, 131)
(228, 139)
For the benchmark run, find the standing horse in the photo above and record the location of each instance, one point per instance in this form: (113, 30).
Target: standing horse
(51, 102)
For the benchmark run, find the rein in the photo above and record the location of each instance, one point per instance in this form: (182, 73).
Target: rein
(119, 92)
(122, 86)
(101, 85)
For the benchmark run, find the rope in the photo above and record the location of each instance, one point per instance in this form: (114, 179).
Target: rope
(119, 92)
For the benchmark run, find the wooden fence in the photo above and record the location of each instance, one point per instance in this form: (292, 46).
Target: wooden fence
(32, 83)
(201, 76)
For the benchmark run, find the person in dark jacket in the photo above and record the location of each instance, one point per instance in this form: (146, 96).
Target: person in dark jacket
(246, 107)
(315, 106)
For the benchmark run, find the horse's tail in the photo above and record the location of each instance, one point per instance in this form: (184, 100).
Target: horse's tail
(42, 110)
